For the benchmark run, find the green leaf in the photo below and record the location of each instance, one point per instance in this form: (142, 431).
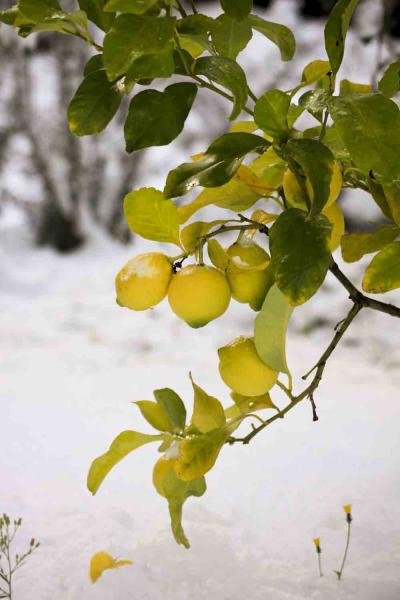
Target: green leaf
(126, 442)
(392, 196)
(249, 404)
(238, 9)
(173, 407)
(220, 162)
(230, 36)
(132, 36)
(314, 71)
(135, 7)
(217, 255)
(294, 112)
(194, 45)
(176, 492)
(356, 245)
(94, 105)
(383, 273)
(150, 66)
(95, 63)
(195, 25)
(155, 415)
(208, 412)
(270, 114)
(228, 74)
(198, 453)
(183, 62)
(12, 16)
(95, 12)
(389, 85)
(39, 10)
(300, 253)
(378, 194)
(270, 330)
(315, 102)
(156, 118)
(316, 161)
(336, 30)
(152, 216)
(369, 127)
(278, 34)
(348, 88)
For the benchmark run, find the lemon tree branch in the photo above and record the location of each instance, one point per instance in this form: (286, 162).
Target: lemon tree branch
(310, 389)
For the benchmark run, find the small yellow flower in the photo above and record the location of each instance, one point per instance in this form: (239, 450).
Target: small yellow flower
(347, 509)
(317, 542)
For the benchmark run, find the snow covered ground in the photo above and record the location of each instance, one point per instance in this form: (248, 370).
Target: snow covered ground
(72, 361)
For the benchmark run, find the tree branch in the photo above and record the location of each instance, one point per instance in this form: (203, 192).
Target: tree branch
(358, 297)
(308, 392)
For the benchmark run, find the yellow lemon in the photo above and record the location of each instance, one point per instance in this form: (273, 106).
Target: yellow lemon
(295, 196)
(143, 281)
(248, 273)
(163, 467)
(243, 370)
(198, 294)
(335, 216)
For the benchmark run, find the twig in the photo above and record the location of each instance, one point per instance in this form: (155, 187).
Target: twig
(359, 297)
(181, 9)
(314, 407)
(205, 84)
(193, 6)
(308, 392)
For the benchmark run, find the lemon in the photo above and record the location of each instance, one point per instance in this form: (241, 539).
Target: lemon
(243, 370)
(198, 294)
(335, 216)
(143, 281)
(248, 273)
(295, 196)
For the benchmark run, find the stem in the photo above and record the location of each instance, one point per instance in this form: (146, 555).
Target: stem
(319, 565)
(181, 9)
(206, 84)
(324, 124)
(192, 4)
(360, 298)
(339, 573)
(213, 88)
(251, 94)
(225, 228)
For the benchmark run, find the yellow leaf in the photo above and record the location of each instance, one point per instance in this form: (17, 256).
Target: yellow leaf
(101, 561)
(244, 126)
(263, 217)
(248, 177)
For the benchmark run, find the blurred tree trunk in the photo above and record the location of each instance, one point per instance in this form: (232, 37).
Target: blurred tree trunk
(71, 171)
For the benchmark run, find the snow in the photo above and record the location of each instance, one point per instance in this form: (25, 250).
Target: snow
(72, 364)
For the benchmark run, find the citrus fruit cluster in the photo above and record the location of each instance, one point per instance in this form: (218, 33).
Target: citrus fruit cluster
(197, 293)
(200, 293)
